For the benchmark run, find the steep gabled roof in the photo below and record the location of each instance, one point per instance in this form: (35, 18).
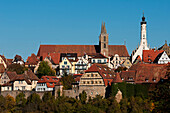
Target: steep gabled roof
(145, 73)
(117, 78)
(50, 81)
(53, 57)
(82, 49)
(107, 73)
(11, 74)
(28, 76)
(2, 68)
(150, 55)
(32, 60)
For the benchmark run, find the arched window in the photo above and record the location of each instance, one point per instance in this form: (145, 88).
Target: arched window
(104, 45)
(104, 38)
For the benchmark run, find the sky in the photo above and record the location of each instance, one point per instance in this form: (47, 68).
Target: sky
(25, 24)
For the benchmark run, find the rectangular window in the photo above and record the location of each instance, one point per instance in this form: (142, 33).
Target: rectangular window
(93, 61)
(99, 61)
(23, 87)
(65, 62)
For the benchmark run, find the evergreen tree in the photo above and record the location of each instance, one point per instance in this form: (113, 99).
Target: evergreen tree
(83, 97)
(44, 69)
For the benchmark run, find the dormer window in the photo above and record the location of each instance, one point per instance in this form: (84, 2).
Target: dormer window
(130, 78)
(47, 78)
(146, 80)
(104, 74)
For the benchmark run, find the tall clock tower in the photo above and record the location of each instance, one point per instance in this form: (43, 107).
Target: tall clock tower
(103, 41)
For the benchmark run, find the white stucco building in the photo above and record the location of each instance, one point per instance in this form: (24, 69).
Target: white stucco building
(143, 42)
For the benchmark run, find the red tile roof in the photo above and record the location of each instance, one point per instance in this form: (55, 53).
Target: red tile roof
(96, 55)
(11, 74)
(54, 57)
(81, 49)
(2, 68)
(150, 55)
(32, 60)
(28, 76)
(51, 81)
(145, 73)
(18, 58)
(107, 73)
(117, 78)
(9, 61)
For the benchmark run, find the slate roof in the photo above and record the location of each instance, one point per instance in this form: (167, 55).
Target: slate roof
(107, 73)
(82, 49)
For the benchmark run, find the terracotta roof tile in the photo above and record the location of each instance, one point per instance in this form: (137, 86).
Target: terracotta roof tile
(107, 73)
(81, 49)
(117, 78)
(50, 81)
(145, 73)
(32, 60)
(150, 55)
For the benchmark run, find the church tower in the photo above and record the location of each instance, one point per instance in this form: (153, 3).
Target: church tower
(143, 42)
(103, 41)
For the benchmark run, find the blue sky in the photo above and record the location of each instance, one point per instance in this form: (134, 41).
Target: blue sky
(25, 24)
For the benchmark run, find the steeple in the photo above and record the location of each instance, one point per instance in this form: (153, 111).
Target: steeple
(103, 29)
(143, 18)
(103, 40)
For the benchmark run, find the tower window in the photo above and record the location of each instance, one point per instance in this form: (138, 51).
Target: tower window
(104, 45)
(104, 38)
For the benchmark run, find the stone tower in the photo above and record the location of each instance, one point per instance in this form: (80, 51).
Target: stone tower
(103, 41)
(143, 42)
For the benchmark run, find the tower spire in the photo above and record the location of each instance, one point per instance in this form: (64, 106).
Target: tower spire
(143, 18)
(104, 28)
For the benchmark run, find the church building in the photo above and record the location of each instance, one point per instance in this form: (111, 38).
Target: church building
(103, 48)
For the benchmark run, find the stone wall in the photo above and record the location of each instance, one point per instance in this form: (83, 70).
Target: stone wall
(27, 93)
(92, 91)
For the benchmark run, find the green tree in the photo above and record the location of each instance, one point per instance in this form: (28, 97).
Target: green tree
(114, 107)
(124, 105)
(122, 88)
(10, 101)
(44, 69)
(83, 97)
(3, 105)
(114, 89)
(67, 81)
(160, 96)
(130, 90)
(21, 100)
(33, 103)
(19, 69)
